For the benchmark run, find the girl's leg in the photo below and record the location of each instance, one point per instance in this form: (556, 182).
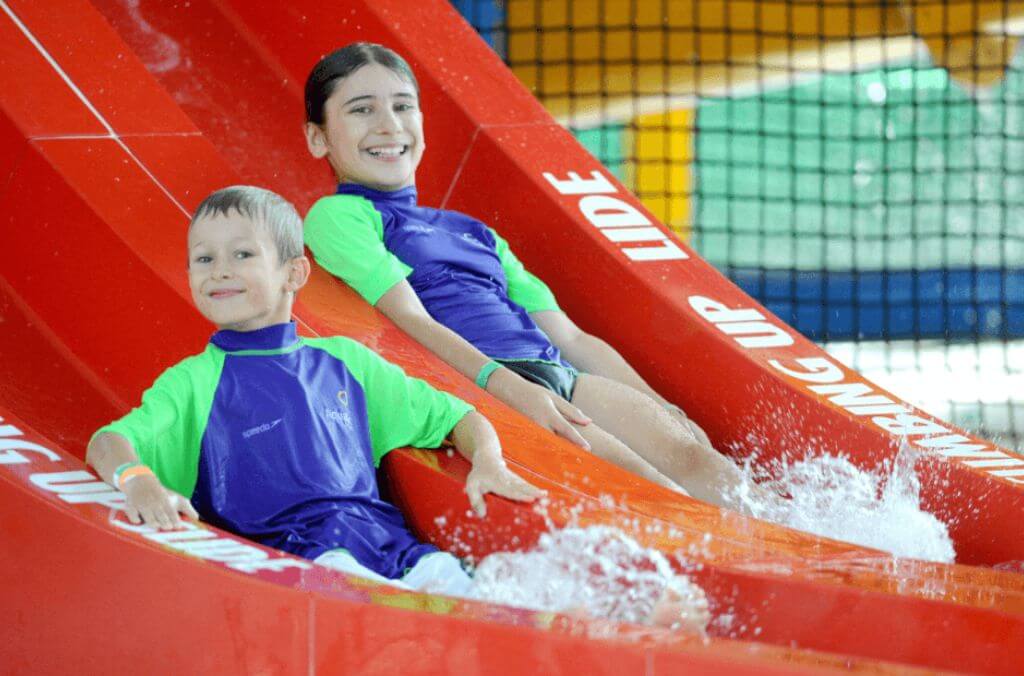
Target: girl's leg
(607, 447)
(657, 437)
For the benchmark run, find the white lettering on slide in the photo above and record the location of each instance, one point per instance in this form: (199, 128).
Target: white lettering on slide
(10, 445)
(749, 327)
(850, 395)
(812, 370)
(975, 455)
(208, 545)
(78, 488)
(896, 418)
(611, 212)
(617, 219)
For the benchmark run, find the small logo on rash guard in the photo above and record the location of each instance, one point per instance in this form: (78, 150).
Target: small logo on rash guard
(260, 429)
(343, 397)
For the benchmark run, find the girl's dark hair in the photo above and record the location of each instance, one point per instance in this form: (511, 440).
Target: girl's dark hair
(343, 62)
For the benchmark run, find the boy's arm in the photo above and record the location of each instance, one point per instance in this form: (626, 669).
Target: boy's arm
(476, 440)
(147, 501)
(405, 411)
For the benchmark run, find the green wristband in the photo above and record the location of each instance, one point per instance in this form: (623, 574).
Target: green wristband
(485, 373)
(120, 470)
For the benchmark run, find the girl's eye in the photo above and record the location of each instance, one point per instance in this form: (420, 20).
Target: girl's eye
(361, 110)
(242, 254)
(404, 107)
(203, 259)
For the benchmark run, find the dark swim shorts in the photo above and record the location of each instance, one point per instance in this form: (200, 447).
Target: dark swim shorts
(558, 378)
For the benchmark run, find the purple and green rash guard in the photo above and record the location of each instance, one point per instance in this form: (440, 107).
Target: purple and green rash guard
(463, 272)
(276, 437)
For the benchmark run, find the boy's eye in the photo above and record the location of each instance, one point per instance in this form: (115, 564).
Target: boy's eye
(244, 253)
(203, 259)
(361, 110)
(404, 107)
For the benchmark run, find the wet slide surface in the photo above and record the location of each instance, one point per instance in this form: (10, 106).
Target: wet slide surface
(119, 117)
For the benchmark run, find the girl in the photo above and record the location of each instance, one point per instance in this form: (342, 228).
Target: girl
(453, 284)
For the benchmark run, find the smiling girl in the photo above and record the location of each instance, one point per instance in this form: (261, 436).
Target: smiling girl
(453, 284)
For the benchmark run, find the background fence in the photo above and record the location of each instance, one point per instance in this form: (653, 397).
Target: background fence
(857, 166)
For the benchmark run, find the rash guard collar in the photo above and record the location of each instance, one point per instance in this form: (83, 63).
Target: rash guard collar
(406, 196)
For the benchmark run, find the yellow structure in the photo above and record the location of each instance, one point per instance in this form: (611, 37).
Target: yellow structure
(659, 166)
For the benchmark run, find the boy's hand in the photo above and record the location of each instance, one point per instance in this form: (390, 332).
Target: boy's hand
(150, 503)
(495, 477)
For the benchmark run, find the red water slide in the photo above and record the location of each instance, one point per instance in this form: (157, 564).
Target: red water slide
(751, 381)
(117, 118)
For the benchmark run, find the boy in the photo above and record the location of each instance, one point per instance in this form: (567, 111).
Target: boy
(275, 437)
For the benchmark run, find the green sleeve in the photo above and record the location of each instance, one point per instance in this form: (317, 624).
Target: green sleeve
(346, 235)
(403, 411)
(166, 429)
(524, 288)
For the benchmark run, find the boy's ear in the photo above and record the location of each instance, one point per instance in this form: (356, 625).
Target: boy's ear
(316, 142)
(298, 273)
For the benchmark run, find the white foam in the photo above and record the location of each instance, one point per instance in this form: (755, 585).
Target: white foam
(597, 570)
(160, 53)
(831, 497)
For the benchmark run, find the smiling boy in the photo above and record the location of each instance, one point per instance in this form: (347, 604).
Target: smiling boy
(276, 437)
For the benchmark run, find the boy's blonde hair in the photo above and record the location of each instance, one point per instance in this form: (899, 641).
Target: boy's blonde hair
(263, 207)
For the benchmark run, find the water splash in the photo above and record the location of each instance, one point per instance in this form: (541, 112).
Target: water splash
(829, 496)
(160, 52)
(598, 571)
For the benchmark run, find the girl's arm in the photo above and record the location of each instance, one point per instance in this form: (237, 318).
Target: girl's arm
(401, 305)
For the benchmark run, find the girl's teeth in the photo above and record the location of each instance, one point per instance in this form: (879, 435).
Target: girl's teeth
(387, 152)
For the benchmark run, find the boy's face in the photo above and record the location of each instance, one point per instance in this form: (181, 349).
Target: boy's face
(373, 129)
(235, 275)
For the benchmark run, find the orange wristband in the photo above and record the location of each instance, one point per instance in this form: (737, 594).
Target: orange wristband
(132, 472)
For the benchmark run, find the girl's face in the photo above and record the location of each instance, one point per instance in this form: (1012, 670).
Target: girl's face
(373, 129)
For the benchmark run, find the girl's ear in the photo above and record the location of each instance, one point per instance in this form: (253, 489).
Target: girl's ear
(316, 142)
(298, 273)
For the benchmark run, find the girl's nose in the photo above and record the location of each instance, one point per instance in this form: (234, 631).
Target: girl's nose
(389, 121)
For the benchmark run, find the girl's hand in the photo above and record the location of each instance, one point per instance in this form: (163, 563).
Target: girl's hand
(150, 503)
(497, 478)
(540, 406)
